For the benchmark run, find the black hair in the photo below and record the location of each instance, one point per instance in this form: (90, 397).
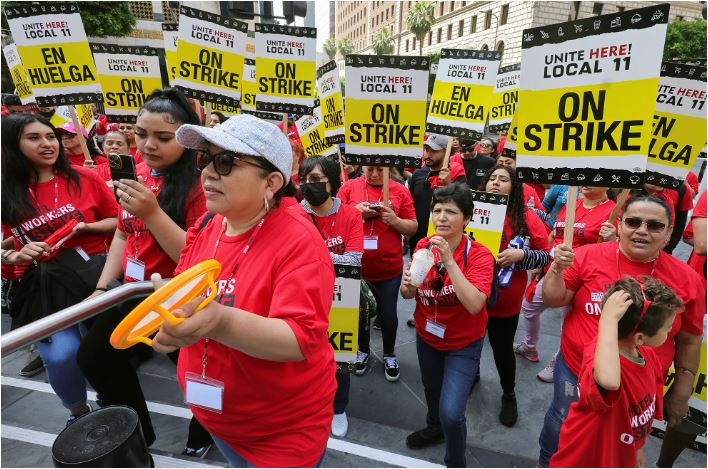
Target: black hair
(329, 167)
(457, 193)
(494, 153)
(17, 172)
(288, 190)
(516, 207)
(664, 303)
(182, 176)
(641, 197)
(122, 135)
(12, 100)
(222, 117)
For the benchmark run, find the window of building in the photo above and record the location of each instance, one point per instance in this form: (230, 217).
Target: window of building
(452, 6)
(488, 19)
(679, 18)
(414, 46)
(430, 38)
(439, 35)
(407, 44)
(500, 47)
(386, 13)
(504, 17)
(597, 9)
(485, 47)
(461, 28)
(393, 9)
(442, 8)
(464, 4)
(449, 31)
(473, 24)
(620, 9)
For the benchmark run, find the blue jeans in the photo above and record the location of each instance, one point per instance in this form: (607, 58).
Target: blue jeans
(236, 460)
(388, 309)
(565, 392)
(63, 373)
(447, 378)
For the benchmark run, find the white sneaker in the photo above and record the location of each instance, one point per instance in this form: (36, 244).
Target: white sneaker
(546, 374)
(340, 425)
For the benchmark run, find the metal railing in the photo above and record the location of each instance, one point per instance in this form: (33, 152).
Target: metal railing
(48, 325)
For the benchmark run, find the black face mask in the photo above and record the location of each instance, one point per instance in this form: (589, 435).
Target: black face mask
(315, 193)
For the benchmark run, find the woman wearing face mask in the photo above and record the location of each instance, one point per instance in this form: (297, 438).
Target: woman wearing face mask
(578, 277)
(382, 263)
(341, 228)
(157, 210)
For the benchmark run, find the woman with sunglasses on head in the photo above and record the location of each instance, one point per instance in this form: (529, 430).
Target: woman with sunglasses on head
(42, 194)
(450, 320)
(520, 224)
(263, 340)
(158, 208)
(579, 278)
(341, 229)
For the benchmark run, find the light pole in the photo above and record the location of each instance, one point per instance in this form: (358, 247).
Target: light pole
(496, 30)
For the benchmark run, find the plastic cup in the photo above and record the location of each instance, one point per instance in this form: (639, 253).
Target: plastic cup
(421, 264)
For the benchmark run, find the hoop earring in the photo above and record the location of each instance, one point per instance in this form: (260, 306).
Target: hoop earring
(265, 202)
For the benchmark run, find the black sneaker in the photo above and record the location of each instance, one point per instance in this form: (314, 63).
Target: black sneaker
(199, 453)
(424, 437)
(410, 321)
(362, 363)
(391, 368)
(74, 418)
(33, 367)
(509, 411)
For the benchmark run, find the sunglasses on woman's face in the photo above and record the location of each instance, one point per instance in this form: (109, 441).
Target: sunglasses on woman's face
(438, 282)
(223, 161)
(485, 145)
(654, 226)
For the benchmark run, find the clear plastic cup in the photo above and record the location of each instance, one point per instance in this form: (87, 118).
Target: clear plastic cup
(421, 264)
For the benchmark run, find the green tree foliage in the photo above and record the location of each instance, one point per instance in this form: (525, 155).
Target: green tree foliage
(330, 47)
(420, 21)
(382, 42)
(346, 46)
(685, 40)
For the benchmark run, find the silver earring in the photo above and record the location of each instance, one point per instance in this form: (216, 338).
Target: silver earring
(265, 202)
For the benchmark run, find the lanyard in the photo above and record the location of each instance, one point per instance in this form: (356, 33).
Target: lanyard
(331, 227)
(56, 194)
(366, 194)
(155, 187)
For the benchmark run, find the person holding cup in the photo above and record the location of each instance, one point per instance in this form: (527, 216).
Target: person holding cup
(450, 320)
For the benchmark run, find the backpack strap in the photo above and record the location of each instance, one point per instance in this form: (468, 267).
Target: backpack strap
(206, 220)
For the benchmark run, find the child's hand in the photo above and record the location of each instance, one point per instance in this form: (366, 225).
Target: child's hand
(616, 305)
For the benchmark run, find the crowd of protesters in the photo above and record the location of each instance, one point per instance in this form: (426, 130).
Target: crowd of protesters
(240, 190)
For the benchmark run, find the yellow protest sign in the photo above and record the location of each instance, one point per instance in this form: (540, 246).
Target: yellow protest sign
(679, 127)
(462, 92)
(83, 111)
(210, 53)
(504, 99)
(127, 75)
(52, 45)
(312, 134)
(343, 330)
(170, 37)
(385, 106)
(587, 98)
(331, 100)
(285, 68)
(17, 72)
(228, 111)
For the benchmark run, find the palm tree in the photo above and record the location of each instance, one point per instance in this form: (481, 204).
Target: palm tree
(330, 47)
(420, 21)
(346, 46)
(382, 42)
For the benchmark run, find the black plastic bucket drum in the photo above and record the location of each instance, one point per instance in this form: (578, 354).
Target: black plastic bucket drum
(107, 437)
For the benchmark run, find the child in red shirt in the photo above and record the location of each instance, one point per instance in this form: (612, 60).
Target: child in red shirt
(620, 385)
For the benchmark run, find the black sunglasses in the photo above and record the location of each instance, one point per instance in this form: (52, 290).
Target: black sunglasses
(437, 283)
(223, 161)
(655, 226)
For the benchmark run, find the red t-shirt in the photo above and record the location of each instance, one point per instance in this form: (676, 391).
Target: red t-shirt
(607, 429)
(140, 244)
(101, 162)
(671, 197)
(509, 302)
(59, 203)
(443, 306)
(385, 262)
(698, 263)
(531, 198)
(457, 170)
(588, 222)
(692, 181)
(275, 414)
(137, 156)
(595, 268)
(540, 192)
(342, 231)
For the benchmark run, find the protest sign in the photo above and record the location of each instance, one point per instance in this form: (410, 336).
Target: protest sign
(226, 110)
(331, 99)
(170, 37)
(285, 68)
(18, 73)
(462, 93)
(312, 134)
(679, 129)
(504, 99)
(210, 53)
(512, 137)
(343, 330)
(385, 104)
(86, 118)
(51, 41)
(127, 76)
(587, 98)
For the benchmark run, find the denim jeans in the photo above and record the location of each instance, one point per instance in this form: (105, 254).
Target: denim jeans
(236, 460)
(565, 392)
(447, 378)
(388, 309)
(341, 397)
(63, 372)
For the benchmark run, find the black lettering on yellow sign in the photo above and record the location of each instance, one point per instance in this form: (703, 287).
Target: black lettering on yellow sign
(317, 145)
(341, 341)
(57, 70)
(458, 105)
(332, 118)
(509, 98)
(386, 128)
(23, 88)
(285, 82)
(669, 151)
(132, 94)
(576, 133)
(248, 99)
(209, 70)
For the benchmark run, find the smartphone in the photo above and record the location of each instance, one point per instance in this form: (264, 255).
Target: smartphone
(122, 167)
(375, 208)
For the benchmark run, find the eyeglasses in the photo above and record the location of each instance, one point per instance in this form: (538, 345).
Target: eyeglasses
(645, 308)
(654, 226)
(223, 161)
(437, 283)
(315, 179)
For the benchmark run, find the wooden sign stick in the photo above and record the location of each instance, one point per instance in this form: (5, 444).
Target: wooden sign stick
(621, 199)
(448, 150)
(570, 216)
(207, 114)
(285, 124)
(79, 133)
(386, 172)
(341, 165)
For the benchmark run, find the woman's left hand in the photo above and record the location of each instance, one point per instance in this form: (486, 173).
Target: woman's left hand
(442, 248)
(510, 256)
(196, 326)
(136, 198)
(388, 216)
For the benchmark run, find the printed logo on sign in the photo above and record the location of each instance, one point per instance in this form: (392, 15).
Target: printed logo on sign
(596, 296)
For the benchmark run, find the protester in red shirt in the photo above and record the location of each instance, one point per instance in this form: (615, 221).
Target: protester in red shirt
(156, 212)
(450, 319)
(681, 202)
(579, 278)
(72, 145)
(530, 194)
(129, 131)
(504, 314)
(341, 229)
(265, 336)
(697, 260)
(692, 181)
(382, 264)
(41, 194)
(621, 382)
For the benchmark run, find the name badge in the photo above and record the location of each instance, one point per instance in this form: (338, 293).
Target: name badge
(435, 328)
(202, 392)
(82, 253)
(371, 243)
(135, 269)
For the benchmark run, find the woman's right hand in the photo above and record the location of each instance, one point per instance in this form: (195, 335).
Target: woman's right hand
(30, 252)
(563, 256)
